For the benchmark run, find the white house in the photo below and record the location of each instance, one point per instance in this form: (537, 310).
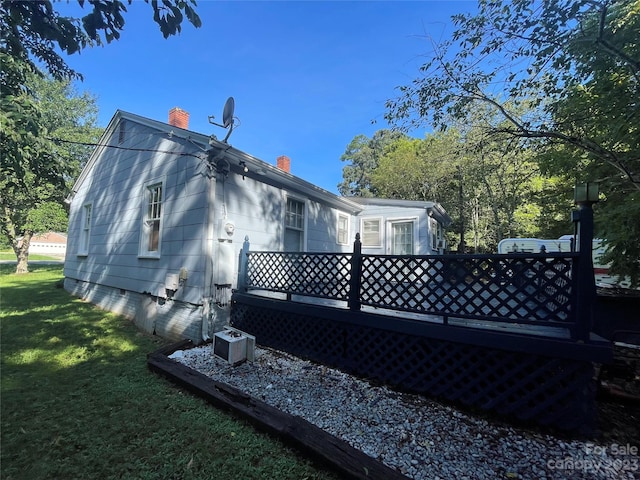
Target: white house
(49, 243)
(159, 214)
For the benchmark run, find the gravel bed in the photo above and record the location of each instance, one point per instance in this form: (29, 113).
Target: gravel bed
(419, 437)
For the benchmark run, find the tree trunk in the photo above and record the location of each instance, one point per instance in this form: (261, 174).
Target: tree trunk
(22, 253)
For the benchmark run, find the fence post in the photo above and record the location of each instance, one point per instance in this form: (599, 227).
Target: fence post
(586, 284)
(242, 266)
(355, 280)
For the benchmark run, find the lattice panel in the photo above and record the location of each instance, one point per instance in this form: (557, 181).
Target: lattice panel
(315, 274)
(492, 287)
(289, 333)
(549, 391)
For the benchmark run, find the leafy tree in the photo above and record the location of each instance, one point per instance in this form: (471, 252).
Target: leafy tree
(414, 169)
(364, 154)
(565, 73)
(34, 170)
(32, 30)
(506, 175)
(70, 118)
(31, 200)
(489, 186)
(402, 172)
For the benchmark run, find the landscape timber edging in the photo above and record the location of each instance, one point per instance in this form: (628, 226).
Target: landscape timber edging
(337, 453)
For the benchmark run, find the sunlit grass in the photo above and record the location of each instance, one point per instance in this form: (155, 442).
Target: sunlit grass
(78, 401)
(34, 256)
(27, 356)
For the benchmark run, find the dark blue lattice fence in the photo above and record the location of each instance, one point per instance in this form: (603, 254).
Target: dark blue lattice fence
(548, 390)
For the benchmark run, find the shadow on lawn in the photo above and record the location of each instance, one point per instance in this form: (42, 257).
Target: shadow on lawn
(74, 382)
(78, 400)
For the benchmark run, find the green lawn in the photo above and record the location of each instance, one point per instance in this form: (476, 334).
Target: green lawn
(12, 256)
(78, 402)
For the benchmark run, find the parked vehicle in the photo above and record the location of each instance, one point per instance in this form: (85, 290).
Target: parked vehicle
(565, 244)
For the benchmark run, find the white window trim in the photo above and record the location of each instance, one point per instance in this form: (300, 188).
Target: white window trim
(85, 230)
(338, 217)
(434, 233)
(305, 223)
(416, 231)
(143, 251)
(380, 232)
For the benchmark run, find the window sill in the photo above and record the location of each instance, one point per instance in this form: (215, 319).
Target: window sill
(149, 256)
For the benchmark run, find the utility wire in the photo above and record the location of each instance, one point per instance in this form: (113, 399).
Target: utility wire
(87, 144)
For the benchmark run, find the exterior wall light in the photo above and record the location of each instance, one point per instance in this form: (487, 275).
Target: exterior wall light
(586, 193)
(244, 167)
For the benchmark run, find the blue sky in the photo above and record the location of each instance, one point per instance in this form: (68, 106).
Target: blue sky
(307, 77)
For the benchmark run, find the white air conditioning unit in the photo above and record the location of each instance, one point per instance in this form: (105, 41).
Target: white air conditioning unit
(230, 346)
(172, 281)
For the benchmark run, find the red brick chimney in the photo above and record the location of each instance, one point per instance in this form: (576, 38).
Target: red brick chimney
(179, 118)
(284, 163)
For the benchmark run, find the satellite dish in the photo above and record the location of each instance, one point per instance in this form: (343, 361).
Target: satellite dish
(227, 117)
(227, 112)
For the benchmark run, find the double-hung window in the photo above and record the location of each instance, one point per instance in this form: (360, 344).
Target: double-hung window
(343, 229)
(371, 229)
(435, 233)
(152, 220)
(85, 232)
(294, 226)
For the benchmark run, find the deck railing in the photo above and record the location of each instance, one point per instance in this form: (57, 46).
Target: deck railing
(540, 289)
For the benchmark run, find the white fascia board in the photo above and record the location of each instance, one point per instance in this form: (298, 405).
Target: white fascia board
(97, 152)
(438, 210)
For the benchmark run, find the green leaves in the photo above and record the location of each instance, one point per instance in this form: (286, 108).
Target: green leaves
(491, 185)
(32, 30)
(574, 65)
(364, 154)
(169, 15)
(48, 216)
(35, 170)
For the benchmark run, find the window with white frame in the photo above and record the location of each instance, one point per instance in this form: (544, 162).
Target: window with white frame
(435, 234)
(152, 218)
(294, 225)
(343, 229)
(371, 232)
(402, 238)
(85, 232)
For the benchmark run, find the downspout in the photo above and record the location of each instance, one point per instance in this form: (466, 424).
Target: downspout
(209, 255)
(210, 246)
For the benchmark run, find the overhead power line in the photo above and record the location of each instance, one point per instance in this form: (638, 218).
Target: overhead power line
(152, 150)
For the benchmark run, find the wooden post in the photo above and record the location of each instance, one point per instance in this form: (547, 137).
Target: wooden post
(243, 261)
(585, 285)
(356, 273)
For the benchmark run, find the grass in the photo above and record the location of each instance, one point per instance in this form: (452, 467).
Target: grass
(34, 256)
(78, 401)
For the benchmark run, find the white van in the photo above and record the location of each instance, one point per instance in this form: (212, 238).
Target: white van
(563, 244)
